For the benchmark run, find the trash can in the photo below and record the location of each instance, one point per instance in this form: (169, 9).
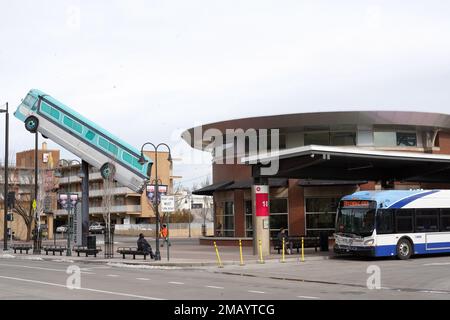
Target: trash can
(92, 242)
(324, 242)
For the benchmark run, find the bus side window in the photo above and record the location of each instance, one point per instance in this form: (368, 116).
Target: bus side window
(385, 221)
(445, 219)
(90, 135)
(127, 158)
(427, 220)
(404, 221)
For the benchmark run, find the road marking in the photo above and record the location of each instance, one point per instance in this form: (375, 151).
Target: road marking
(142, 279)
(82, 289)
(112, 275)
(177, 283)
(40, 268)
(433, 292)
(259, 292)
(309, 298)
(213, 287)
(437, 264)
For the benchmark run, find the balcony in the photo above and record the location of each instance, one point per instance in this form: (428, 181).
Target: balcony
(115, 191)
(75, 179)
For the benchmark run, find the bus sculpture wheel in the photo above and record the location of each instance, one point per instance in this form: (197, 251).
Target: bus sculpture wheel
(108, 171)
(31, 124)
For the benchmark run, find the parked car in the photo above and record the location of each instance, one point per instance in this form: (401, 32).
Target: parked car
(96, 227)
(62, 229)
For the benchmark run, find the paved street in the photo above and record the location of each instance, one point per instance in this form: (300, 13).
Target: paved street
(28, 277)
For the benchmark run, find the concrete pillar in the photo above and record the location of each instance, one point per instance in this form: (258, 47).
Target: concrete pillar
(85, 202)
(261, 216)
(50, 224)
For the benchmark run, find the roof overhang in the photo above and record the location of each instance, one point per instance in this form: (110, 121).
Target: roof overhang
(350, 163)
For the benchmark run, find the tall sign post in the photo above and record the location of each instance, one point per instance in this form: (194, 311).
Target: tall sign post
(69, 202)
(261, 216)
(168, 207)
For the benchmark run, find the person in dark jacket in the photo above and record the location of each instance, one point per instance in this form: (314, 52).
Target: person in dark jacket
(288, 244)
(144, 246)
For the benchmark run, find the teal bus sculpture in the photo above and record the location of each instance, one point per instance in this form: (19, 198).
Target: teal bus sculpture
(113, 157)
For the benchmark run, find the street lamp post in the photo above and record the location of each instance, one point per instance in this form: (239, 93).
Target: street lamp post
(5, 201)
(68, 205)
(190, 214)
(142, 161)
(68, 201)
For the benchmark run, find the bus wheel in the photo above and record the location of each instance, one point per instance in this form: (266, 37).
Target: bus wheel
(404, 249)
(45, 137)
(108, 171)
(31, 124)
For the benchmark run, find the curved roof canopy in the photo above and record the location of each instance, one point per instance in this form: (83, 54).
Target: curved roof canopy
(300, 121)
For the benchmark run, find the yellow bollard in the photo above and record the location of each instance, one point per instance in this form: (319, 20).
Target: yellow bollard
(261, 259)
(240, 251)
(218, 255)
(303, 249)
(283, 256)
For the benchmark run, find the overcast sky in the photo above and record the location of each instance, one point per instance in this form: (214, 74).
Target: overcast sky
(148, 69)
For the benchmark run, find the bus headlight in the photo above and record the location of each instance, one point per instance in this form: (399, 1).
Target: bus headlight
(369, 243)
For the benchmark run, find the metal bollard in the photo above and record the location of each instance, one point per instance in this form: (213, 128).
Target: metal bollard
(303, 249)
(283, 255)
(218, 255)
(241, 254)
(261, 259)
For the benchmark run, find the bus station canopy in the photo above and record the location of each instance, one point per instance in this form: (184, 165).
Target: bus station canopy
(353, 164)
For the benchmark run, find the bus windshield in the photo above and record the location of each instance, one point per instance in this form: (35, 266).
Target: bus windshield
(356, 221)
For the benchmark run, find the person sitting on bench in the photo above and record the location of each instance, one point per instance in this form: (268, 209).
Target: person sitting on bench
(287, 243)
(144, 246)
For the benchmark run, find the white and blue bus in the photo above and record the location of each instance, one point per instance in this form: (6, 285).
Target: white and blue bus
(112, 156)
(394, 223)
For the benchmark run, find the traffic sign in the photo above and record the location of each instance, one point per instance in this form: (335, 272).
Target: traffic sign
(167, 204)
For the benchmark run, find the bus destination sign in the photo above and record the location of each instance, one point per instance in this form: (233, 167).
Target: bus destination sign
(355, 203)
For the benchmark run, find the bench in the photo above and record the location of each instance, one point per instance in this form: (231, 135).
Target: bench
(87, 251)
(309, 242)
(54, 249)
(21, 247)
(133, 252)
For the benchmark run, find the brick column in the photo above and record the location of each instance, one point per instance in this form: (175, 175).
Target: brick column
(297, 217)
(239, 214)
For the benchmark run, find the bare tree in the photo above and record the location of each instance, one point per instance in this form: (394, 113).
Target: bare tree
(20, 179)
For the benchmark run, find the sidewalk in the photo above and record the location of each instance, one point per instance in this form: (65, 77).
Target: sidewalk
(183, 253)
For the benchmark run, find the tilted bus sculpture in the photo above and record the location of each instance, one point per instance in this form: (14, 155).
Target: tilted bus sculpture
(112, 156)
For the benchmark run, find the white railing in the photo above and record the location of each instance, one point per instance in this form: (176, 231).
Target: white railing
(116, 209)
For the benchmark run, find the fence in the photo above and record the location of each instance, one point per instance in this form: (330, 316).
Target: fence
(176, 230)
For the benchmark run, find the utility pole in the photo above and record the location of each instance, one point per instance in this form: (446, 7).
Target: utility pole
(5, 197)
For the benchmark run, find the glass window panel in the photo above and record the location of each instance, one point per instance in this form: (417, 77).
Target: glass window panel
(321, 221)
(278, 206)
(103, 143)
(278, 221)
(54, 113)
(319, 138)
(68, 122)
(90, 135)
(127, 157)
(406, 139)
(385, 139)
(427, 220)
(343, 138)
(385, 221)
(321, 204)
(404, 221)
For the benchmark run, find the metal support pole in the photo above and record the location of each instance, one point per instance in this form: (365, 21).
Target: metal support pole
(85, 202)
(156, 205)
(5, 201)
(36, 249)
(69, 229)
